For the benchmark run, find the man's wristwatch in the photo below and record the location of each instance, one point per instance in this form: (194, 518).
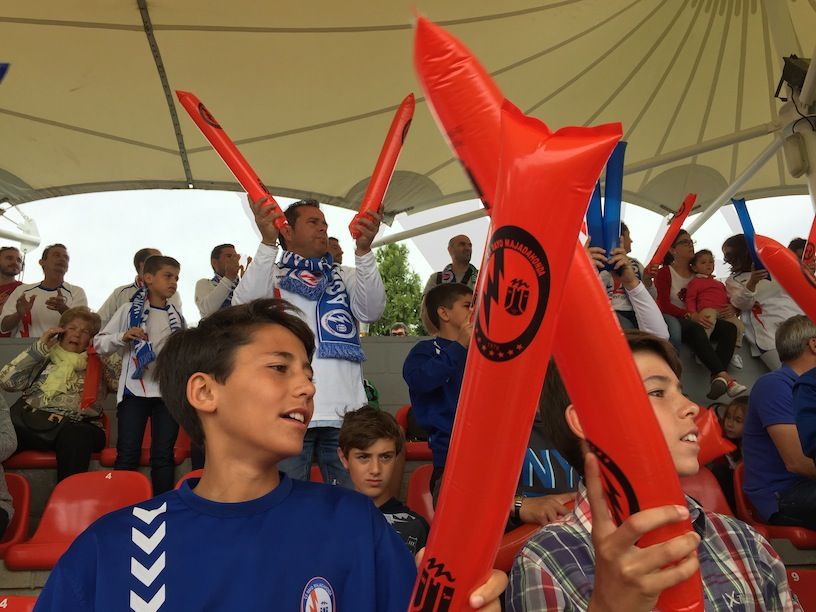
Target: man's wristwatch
(517, 501)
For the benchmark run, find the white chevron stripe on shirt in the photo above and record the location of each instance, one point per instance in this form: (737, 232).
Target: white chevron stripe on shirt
(147, 516)
(147, 575)
(137, 604)
(148, 544)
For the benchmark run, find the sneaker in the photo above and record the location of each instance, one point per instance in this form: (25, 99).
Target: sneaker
(718, 387)
(734, 389)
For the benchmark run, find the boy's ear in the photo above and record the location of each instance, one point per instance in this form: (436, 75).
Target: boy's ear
(442, 313)
(342, 457)
(202, 392)
(573, 422)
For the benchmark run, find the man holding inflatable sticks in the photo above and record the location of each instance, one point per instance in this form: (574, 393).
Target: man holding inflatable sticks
(332, 299)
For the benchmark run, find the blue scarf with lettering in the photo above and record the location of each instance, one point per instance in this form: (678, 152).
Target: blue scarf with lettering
(317, 280)
(143, 349)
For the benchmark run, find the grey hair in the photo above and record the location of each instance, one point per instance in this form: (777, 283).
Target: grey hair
(792, 337)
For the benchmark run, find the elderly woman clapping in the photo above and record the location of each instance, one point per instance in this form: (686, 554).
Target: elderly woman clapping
(63, 387)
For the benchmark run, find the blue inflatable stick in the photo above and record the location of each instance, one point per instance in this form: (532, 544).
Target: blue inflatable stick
(594, 218)
(3, 70)
(747, 229)
(613, 192)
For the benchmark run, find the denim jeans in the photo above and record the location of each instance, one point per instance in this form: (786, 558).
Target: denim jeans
(324, 441)
(797, 506)
(132, 414)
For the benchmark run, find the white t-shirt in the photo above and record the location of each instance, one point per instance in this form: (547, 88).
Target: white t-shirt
(42, 317)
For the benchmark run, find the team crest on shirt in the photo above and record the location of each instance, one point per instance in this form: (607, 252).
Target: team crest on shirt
(318, 596)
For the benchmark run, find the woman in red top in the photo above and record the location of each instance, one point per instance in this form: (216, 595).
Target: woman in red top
(671, 282)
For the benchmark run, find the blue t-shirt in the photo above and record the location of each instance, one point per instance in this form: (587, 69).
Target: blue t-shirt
(304, 546)
(770, 403)
(804, 408)
(433, 371)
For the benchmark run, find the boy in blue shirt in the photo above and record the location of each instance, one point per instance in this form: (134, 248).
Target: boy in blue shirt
(244, 536)
(434, 369)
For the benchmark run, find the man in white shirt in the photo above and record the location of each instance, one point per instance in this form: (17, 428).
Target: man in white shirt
(33, 308)
(124, 294)
(213, 294)
(332, 299)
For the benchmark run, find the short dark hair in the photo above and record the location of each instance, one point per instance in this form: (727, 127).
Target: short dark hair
(444, 295)
(699, 254)
(154, 263)
(362, 428)
(210, 348)
(795, 244)
(216, 252)
(9, 248)
(292, 213)
(554, 399)
(47, 249)
(142, 255)
(333, 238)
(740, 258)
(624, 228)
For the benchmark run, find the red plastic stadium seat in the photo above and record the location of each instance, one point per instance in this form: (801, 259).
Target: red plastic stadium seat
(511, 543)
(193, 474)
(798, 536)
(703, 487)
(419, 498)
(17, 603)
(74, 504)
(414, 451)
(802, 582)
(180, 451)
(45, 460)
(17, 530)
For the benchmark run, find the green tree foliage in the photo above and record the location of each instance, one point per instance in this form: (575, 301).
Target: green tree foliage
(403, 290)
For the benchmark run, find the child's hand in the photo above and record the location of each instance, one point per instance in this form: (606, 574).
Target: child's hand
(596, 254)
(465, 332)
(134, 333)
(628, 577)
(621, 263)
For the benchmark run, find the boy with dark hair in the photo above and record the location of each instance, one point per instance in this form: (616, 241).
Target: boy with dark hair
(587, 562)
(124, 294)
(139, 330)
(434, 368)
(244, 536)
(370, 443)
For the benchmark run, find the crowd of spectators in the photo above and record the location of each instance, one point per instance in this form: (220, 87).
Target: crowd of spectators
(257, 419)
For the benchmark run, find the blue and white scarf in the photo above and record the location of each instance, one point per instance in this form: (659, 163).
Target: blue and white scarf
(216, 280)
(318, 281)
(143, 349)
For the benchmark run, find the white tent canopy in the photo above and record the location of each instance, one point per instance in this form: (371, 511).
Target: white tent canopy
(307, 91)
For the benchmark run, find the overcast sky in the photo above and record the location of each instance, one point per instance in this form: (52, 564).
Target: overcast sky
(103, 231)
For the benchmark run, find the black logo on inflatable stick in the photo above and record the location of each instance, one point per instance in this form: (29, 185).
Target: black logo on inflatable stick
(515, 295)
(206, 116)
(622, 499)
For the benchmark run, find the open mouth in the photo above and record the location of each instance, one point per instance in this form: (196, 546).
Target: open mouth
(296, 415)
(690, 437)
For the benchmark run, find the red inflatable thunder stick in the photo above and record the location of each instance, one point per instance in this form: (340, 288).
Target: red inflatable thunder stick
(617, 418)
(467, 104)
(674, 228)
(384, 170)
(227, 150)
(795, 278)
(809, 254)
(535, 219)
